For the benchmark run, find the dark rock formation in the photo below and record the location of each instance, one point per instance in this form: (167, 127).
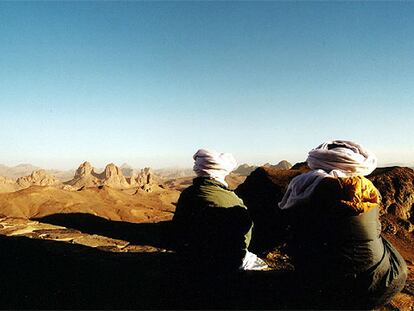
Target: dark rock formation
(301, 166)
(396, 185)
(261, 192)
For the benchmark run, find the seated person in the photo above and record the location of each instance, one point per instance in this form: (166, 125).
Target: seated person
(212, 225)
(337, 245)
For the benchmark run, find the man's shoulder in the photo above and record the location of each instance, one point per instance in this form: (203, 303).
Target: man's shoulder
(212, 194)
(223, 197)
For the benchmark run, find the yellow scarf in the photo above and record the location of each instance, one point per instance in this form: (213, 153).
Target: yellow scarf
(359, 194)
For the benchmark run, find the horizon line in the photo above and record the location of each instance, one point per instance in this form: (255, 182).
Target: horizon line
(183, 167)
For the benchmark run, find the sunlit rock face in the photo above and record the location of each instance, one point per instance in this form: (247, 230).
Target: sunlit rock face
(396, 185)
(83, 170)
(113, 177)
(145, 180)
(37, 178)
(85, 176)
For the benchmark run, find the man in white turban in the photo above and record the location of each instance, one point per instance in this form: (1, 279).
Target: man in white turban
(334, 223)
(213, 225)
(213, 164)
(338, 158)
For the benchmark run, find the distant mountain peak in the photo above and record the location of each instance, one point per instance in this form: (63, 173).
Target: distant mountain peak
(24, 165)
(83, 170)
(127, 170)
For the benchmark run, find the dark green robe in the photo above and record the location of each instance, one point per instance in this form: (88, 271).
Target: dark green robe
(212, 225)
(342, 254)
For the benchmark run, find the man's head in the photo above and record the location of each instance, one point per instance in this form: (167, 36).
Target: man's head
(213, 164)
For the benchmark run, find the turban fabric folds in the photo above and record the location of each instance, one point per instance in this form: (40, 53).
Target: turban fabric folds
(345, 156)
(338, 158)
(213, 164)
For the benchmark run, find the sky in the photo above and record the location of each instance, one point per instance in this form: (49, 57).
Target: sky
(149, 82)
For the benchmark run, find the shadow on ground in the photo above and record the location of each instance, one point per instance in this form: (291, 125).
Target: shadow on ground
(153, 234)
(39, 274)
(49, 274)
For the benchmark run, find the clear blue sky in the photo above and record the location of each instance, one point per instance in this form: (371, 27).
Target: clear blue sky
(148, 83)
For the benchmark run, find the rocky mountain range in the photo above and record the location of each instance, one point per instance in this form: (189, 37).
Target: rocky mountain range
(123, 177)
(163, 174)
(85, 176)
(113, 177)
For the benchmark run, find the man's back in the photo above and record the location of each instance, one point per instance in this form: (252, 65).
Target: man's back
(212, 224)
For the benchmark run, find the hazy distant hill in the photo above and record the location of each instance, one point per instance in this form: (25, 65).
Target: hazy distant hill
(26, 169)
(173, 173)
(126, 170)
(62, 175)
(17, 171)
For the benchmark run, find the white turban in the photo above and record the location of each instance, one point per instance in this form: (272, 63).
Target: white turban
(338, 158)
(344, 156)
(213, 164)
